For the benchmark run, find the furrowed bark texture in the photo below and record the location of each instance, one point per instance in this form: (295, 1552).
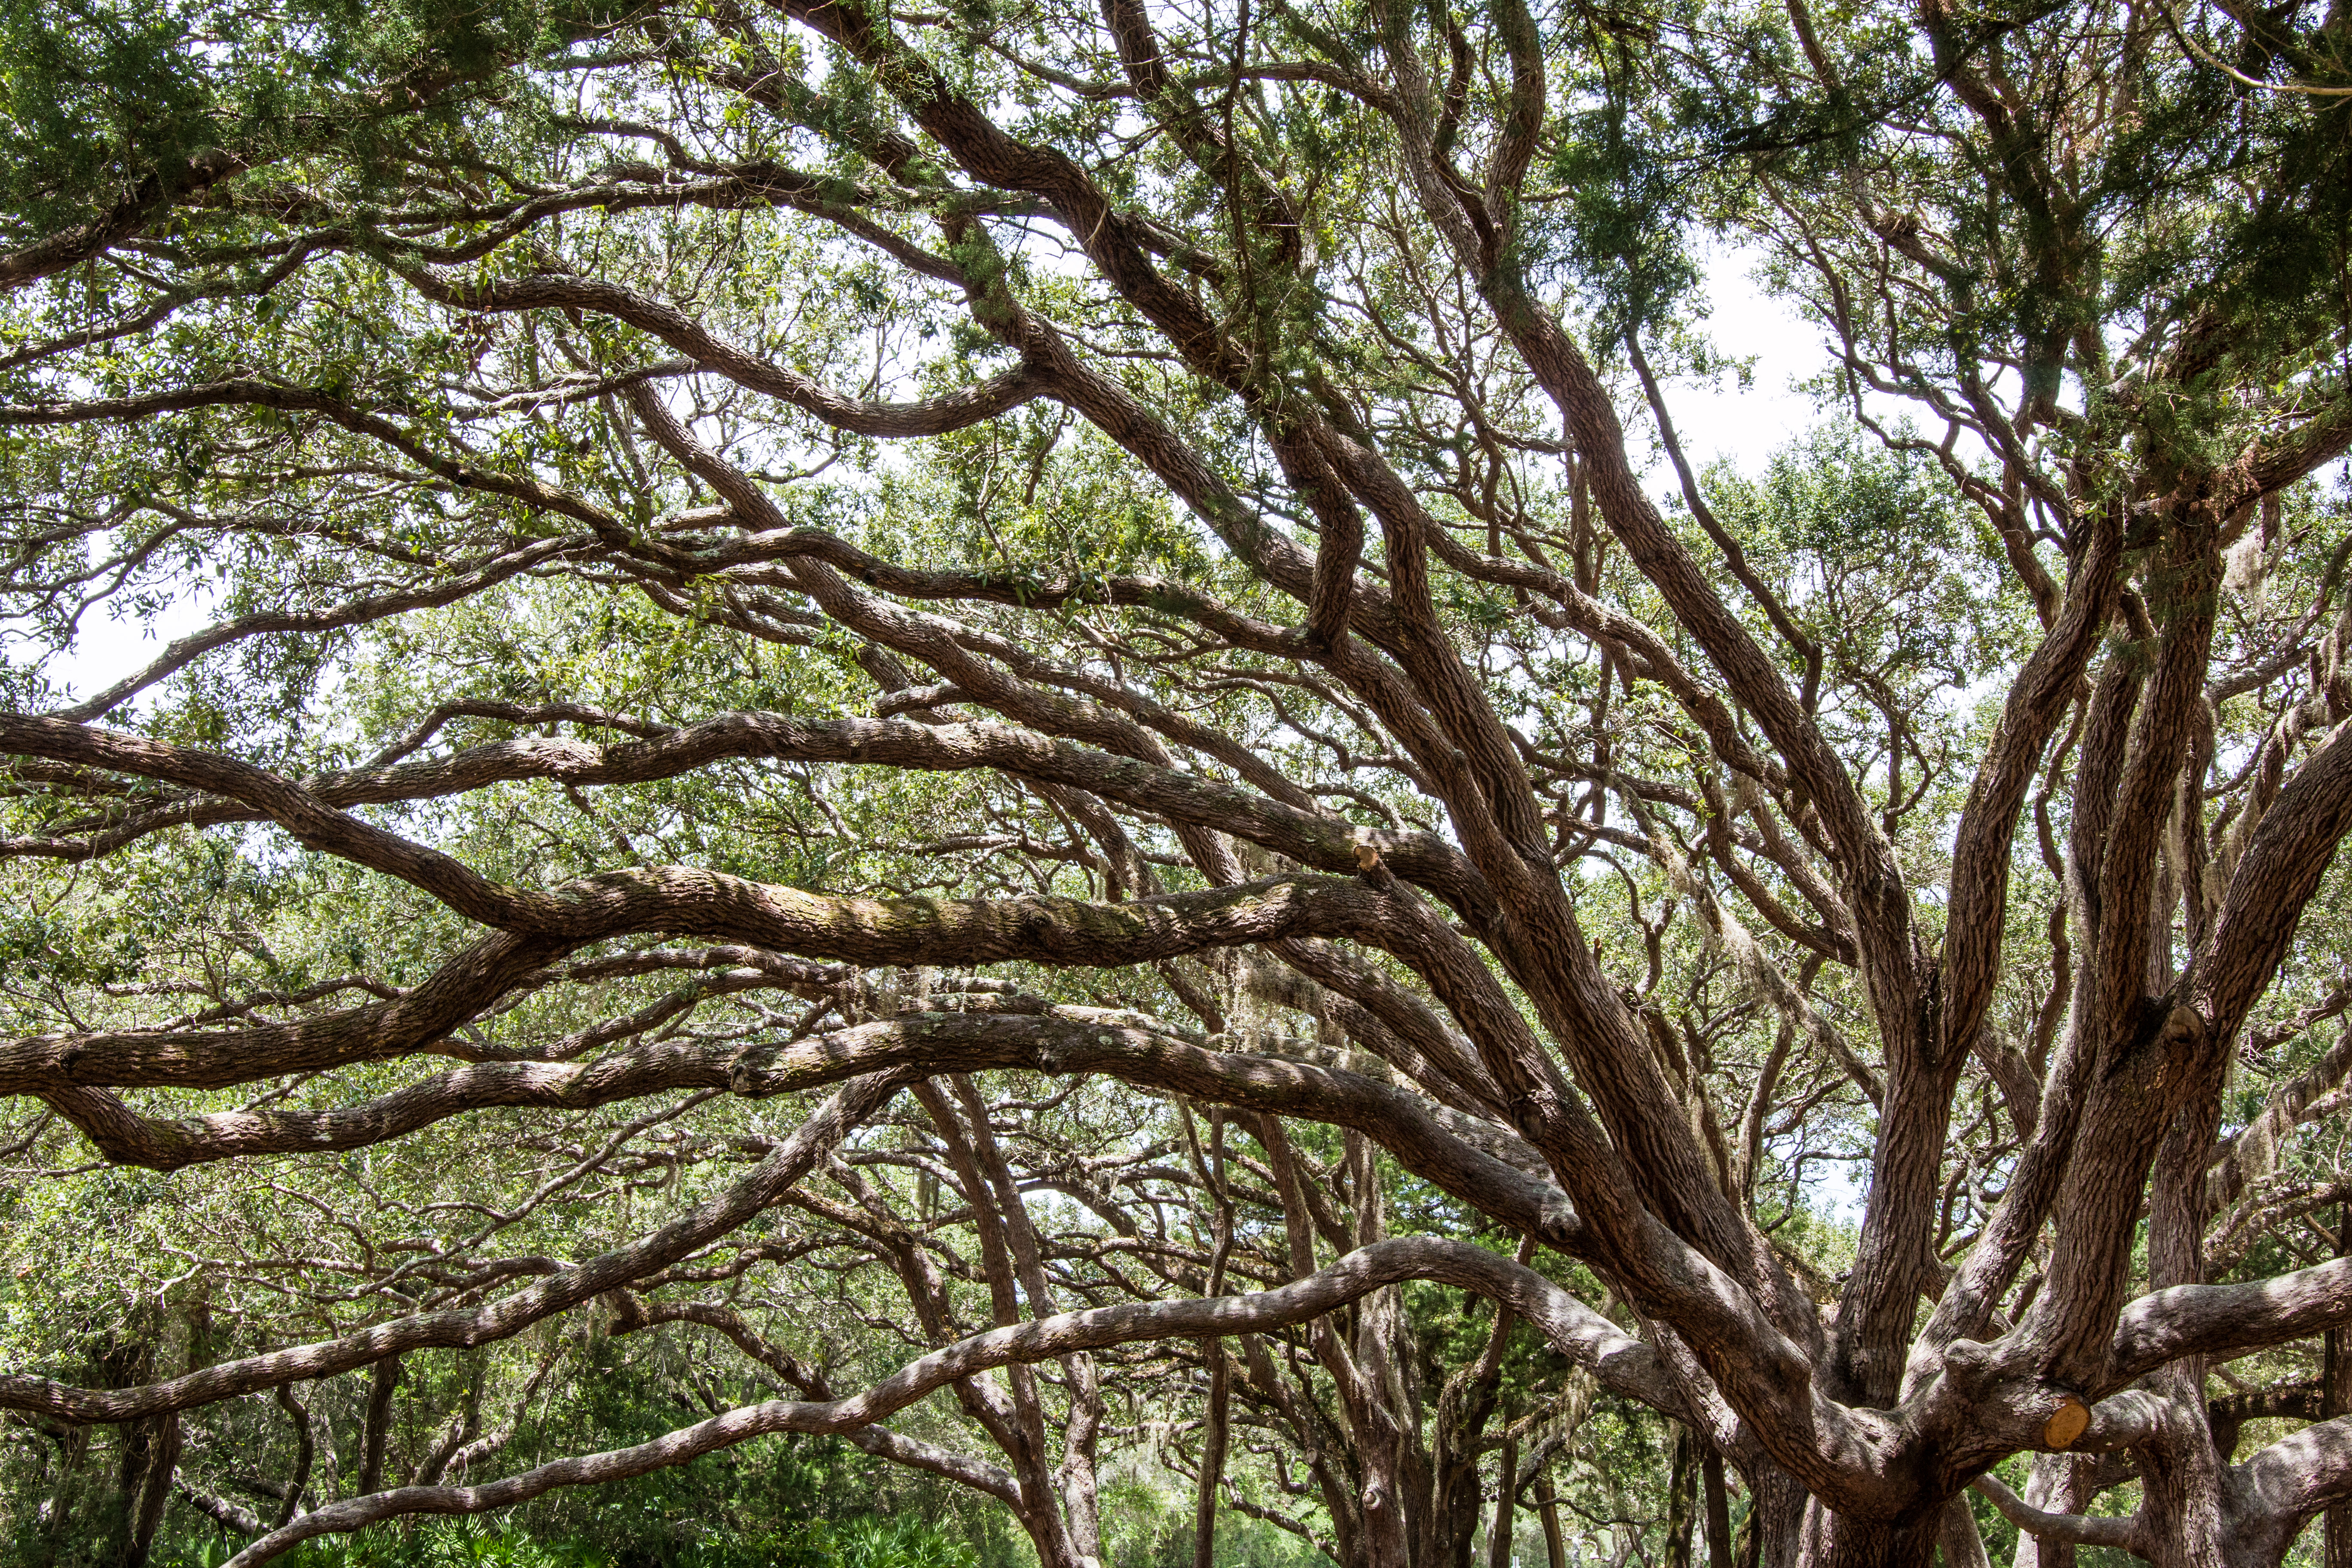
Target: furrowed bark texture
(1106, 573)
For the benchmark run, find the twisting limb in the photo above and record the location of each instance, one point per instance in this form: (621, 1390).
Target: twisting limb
(1623, 1365)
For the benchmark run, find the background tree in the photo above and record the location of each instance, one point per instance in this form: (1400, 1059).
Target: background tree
(794, 593)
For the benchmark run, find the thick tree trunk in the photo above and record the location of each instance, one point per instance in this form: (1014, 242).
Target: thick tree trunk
(74, 1452)
(1548, 1509)
(2181, 1478)
(163, 1464)
(1507, 1476)
(2058, 1483)
(1449, 1521)
(1962, 1546)
(1718, 1510)
(2335, 1399)
(1835, 1540)
(1773, 1535)
(1682, 1492)
(1213, 1459)
(305, 1446)
(376, 1435)
(121, 1510)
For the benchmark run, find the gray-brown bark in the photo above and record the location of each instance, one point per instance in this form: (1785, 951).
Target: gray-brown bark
(1483, 1022)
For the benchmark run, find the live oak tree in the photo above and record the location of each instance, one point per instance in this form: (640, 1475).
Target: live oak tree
(771, 579)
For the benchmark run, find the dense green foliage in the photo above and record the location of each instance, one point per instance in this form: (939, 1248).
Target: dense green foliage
(860, 490)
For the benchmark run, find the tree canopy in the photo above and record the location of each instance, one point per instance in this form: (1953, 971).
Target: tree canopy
(937, 785)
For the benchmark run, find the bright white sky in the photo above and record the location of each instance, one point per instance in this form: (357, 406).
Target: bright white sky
(1744, 322)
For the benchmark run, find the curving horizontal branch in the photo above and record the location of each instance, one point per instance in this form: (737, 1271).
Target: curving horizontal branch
(880, 1441)
(1621, 1364)
(313, 822)
(255, 393)
(2125, 1534)
(217, 1059)
(561, 1290)
(1314, 838)
(932, 417)
(446, 589)
(177, 181)
(2281, 1486)
(2224, 1320)
(871, 932)
(732, 908)
(1478, 1161)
